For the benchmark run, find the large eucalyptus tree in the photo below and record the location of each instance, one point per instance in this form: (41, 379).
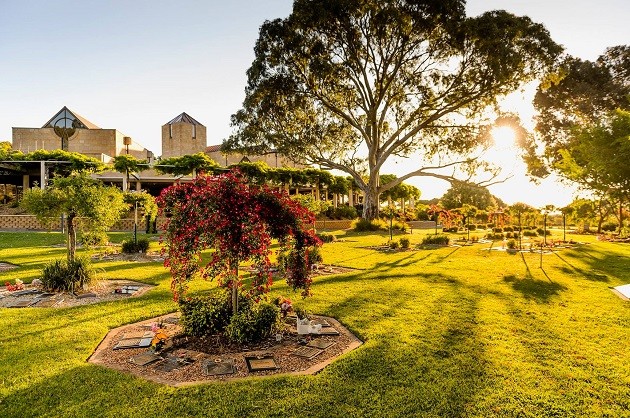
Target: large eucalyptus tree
(349, 84)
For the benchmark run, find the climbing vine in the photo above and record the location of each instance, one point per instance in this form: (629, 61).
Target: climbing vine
(239, 221)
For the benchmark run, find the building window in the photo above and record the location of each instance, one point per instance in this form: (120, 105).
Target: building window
(194, 131)
(170, 131)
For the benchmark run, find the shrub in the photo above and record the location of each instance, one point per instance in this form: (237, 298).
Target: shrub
(494, 236)
(497, 230)
(609, 226)
(436, 240)
(68, 276)
(324, 237)
(205, 315)
(363, 225)
(474, 238)
(394, 245)
(130, 247)
(508, 235)
(489, 226)
(341, 212)
(516, 228)
(451, 229)
(528, 233)
(315, 256)
(508, 229)
(254, 324)
(511, 244)
(94, 239)
(541, 231)
(404, 243)
(471, 227)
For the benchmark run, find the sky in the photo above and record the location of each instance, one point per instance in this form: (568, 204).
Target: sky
(135, 65)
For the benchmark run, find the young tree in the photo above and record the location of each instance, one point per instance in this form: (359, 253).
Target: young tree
(238, 221)
(191, 164)
(127, 164)
(79, 197)
(461, 193)
(348, 84)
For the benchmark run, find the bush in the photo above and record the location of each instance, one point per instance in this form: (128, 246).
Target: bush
(363, 225)
(394, 245)
(324, 237)
(489, 226)
(451, 229)
(609, 226)
(508, 235)
(474, 238)
(497, 230)
(541, 232)
(67, 276)
(254, 324)
(130, 247)
(508, 229)
(471, 227)
(404, 243)
(315, 256)
(341, 212)
(94, 239)
(528, 233)
(511, 244)
(494, 236)
(436, 240)
(205, 315)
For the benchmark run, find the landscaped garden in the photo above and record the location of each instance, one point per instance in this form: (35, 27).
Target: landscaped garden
(447, 331)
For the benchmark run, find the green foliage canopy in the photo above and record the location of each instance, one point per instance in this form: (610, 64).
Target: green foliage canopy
(348, 84)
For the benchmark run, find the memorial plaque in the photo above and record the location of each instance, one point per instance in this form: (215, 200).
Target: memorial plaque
(173, 363)
(47, 302)
(128, 343)
(328, 331)
(138, 334)
(21, 304)
(45, 295)
(27, 292)
(307, 352)
(86, 295)
(260, 363)
(133, 343)
(322, 322)
(220, 367)
(144, 359)
(321, 344)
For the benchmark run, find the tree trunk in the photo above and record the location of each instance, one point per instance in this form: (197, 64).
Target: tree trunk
(370, 203)
(620, 215)
(234, 270)
(72, 237)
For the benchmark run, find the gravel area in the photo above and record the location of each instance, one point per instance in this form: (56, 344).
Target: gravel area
(200, 351)
(101, 291)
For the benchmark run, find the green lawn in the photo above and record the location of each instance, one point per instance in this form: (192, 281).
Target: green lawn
(448, 332)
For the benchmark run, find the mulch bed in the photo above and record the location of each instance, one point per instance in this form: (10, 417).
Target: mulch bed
(189, 355)
(101, 291)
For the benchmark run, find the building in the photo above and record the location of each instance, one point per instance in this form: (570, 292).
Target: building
(83, 137)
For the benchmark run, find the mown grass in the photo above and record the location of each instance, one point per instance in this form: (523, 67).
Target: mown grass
(448, 332)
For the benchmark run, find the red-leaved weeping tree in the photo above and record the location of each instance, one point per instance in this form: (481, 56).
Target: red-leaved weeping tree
(238, 221)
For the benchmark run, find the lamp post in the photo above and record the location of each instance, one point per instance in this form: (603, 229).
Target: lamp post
(127, 142)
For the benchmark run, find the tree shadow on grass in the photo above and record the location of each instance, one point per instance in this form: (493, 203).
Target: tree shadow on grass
(533, 289)
(411, 368)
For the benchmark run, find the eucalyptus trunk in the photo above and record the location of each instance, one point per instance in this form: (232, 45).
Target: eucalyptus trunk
(72, 236)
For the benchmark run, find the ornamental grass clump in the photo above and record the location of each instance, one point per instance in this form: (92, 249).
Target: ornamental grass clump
(436, 240)
(67, 276)
(132, 247)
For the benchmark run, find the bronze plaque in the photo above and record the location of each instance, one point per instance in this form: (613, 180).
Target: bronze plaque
(307, 352)
(261, 363)
(321, 344)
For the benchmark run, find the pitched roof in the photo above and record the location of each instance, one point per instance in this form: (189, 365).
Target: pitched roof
(213, 148)
(69, 114)
(184, 118)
